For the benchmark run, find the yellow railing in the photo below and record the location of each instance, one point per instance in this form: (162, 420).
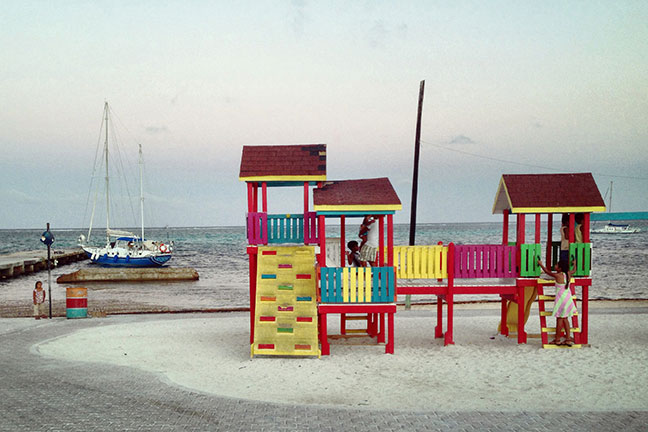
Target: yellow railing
(421, 262)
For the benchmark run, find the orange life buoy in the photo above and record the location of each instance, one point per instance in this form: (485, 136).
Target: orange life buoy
(163, 248)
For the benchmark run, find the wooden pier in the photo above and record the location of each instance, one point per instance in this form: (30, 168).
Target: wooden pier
(124, 274)
(20, 263)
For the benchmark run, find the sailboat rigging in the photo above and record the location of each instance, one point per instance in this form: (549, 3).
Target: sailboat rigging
(127, 249)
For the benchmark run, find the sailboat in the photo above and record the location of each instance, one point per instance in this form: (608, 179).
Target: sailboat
(124, 248)
(611, 228)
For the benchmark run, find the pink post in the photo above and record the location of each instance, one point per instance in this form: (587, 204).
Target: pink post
(322, 241)
(506, 227)
(549, 233)
(390, 241)
(449, 299)
(381, 241)
(537, 228)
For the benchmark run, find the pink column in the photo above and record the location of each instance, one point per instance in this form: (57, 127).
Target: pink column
(342, 241)
(506, 227)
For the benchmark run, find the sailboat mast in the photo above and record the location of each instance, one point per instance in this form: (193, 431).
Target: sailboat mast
(610, 209)
(141, 163)
(107, 178)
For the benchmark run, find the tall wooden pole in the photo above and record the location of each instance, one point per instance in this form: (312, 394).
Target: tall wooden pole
(417, 151)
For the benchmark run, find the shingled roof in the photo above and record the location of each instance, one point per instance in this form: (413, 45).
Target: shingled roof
(357, 195)
(281, 163)
(548, 193)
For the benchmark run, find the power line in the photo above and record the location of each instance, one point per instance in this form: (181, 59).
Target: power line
(524, 164)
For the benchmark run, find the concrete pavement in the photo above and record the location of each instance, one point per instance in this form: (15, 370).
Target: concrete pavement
(42, 394)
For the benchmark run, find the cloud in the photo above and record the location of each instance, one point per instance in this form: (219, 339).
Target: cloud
(461, 140)
(378, 34)
(298, 17)
(155, 130)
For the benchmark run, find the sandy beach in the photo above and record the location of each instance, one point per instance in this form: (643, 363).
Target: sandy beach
(210, 353)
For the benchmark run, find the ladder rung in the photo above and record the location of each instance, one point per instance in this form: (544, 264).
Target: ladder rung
(546, 297)
(356, 318)
(548, 313)
(553, 330)
(552, 346)
(356, 330)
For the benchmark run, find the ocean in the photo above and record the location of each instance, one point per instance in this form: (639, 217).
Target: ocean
(619, 266)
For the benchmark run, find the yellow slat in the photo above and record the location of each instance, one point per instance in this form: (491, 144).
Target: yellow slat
(345, 285)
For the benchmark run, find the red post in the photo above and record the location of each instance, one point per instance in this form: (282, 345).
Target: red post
(549, 240)
(520, 229)
(521, 304)
(572, 224)
(585, 312)
(537, 228)
(250, 190)
(342, 241)
(256, 197)
(252, 252)
(586, 228)
(264, 196)
(506, 227)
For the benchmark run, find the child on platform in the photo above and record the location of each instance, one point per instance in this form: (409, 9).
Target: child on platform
(39, 301)
(369, 235)
(353, 256)
(564, 304)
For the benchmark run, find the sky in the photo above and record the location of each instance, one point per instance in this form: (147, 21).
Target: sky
(511, 87)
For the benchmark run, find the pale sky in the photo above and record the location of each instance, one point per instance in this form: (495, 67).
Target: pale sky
(510, 87)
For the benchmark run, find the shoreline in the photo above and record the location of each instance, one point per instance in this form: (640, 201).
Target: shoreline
(24, 309)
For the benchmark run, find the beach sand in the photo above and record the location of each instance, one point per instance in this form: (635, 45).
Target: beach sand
(210, 353)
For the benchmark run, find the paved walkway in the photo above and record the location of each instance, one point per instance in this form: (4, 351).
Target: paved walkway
(41, 394)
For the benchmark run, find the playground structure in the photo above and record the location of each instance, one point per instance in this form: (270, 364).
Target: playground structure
(293, 289)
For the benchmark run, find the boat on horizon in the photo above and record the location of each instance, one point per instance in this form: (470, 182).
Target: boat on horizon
(124, 248)
(611, 228)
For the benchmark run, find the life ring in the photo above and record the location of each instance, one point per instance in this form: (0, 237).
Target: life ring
(164, 248)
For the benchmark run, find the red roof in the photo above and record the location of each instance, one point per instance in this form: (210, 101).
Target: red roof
(539, 193)
(362, 192)
(283, 160)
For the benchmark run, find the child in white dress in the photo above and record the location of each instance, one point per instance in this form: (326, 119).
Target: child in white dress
(564, 304)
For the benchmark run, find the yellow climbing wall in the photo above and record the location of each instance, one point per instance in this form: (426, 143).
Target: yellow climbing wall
(285, 319)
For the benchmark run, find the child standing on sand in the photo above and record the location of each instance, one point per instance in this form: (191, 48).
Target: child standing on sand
(39, 301)
(564, 304)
